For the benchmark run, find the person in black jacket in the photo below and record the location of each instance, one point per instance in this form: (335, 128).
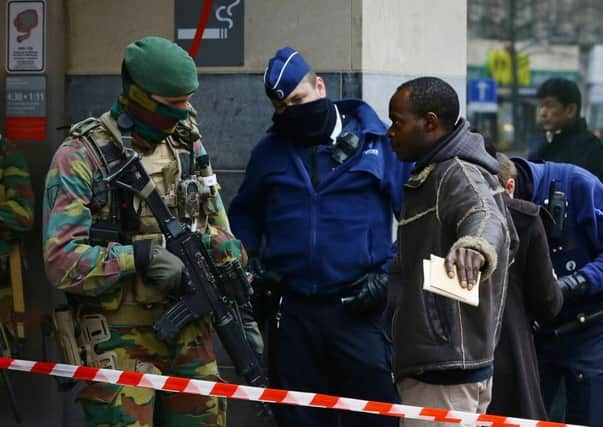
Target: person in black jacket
(453, 208)
(533, 294)
(566, 137)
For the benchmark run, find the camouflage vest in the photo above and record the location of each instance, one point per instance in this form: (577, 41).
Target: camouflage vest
(169, 164)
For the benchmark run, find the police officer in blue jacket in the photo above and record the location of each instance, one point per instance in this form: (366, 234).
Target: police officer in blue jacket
(570, 349)
(320, 191)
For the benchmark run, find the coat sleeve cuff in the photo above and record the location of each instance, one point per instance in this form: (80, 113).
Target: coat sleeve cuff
(126, 260)
(482, 246)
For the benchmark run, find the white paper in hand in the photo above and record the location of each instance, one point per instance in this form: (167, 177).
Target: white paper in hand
(437, 281)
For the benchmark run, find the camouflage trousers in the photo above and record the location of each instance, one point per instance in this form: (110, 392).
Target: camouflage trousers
(191, 355)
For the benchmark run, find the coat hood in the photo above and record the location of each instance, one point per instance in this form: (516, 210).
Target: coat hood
(461, 143)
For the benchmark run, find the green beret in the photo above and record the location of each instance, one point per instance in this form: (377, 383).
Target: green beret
(161, 67)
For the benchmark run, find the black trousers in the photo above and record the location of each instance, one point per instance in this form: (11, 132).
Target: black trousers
(319, 347)
(575, 360)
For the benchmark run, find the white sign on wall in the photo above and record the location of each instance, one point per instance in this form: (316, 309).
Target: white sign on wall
(26, 50)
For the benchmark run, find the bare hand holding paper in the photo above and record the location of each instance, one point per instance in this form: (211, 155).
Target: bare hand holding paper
(437, 281)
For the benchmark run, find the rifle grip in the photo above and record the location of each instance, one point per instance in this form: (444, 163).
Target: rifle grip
(173, 320)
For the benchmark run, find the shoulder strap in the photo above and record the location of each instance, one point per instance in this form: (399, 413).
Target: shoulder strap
(103, 141)
(109, 154)
(111, 125)
(82, 128)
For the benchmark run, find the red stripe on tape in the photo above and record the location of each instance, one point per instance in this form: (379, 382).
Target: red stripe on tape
(179, 384)
(224, 390)
(496, 420)
(130, 378)
(273, 395)
(43, 368)
(549, 424)
(379, 407)
(324, 400)
(439, 415)
(85, 373)
(176, 384)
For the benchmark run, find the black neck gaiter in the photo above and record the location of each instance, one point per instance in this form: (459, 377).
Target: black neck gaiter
(308, 124)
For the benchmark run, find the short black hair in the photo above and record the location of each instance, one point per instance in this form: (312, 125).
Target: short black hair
(564, 90)
(431, 94)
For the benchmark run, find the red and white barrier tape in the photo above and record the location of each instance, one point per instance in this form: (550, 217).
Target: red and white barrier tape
(270, 395)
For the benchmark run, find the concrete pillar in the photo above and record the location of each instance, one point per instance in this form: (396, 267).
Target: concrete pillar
(404, 39)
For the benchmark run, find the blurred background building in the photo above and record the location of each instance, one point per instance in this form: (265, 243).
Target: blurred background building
(362, 48)
(550, 38)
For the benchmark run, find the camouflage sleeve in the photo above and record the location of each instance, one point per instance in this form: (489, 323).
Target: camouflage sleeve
(72, 264)
(16, 196)
(218, 216)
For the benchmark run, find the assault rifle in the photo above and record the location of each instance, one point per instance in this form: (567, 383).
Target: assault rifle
(207, 288)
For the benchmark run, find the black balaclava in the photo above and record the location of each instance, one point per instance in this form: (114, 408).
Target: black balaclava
(309, 124)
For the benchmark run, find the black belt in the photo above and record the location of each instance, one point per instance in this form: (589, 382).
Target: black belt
(333, 298)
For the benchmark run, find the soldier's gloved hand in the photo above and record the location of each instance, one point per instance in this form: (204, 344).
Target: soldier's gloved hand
(573, 285)
(158, 266)
(252, 331)
(370, 297)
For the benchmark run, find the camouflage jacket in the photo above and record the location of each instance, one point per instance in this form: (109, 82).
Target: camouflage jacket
(72, 263)
(16, 196)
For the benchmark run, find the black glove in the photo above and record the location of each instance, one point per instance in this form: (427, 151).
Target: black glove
(158, 266)
(254, 266)
(370, 296)
(573, 285)
(263, 280)
(251, 329)
(266, 290)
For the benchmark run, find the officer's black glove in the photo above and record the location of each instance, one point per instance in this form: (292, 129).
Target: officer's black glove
(263, 280)
(573, 285)
(370, 297)
(252, 331)
(254, 265)
(266, 289)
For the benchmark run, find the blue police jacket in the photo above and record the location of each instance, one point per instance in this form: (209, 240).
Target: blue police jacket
(582, 240)
(321, 239)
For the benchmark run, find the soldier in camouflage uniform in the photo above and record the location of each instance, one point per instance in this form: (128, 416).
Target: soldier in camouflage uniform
(127, 279)
(16, 216)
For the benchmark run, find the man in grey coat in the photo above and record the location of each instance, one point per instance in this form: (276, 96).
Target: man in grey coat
(444, 349)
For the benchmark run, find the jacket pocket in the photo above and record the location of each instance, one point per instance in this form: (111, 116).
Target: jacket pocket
(437, 319)
(370, 244)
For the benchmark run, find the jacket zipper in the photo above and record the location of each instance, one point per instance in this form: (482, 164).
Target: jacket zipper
(314, 239)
